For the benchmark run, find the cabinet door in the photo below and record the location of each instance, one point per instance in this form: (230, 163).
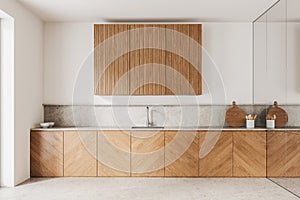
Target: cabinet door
(276, 153)
(215, 155)
(293, 154)
(249, 154)
(181, 153)
(113, 153)
(147, 153)
(80, 155)
(46, 154)
(283, 154)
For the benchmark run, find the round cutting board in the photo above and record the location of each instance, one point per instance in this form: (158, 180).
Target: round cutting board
(235, 117)
(281, 115)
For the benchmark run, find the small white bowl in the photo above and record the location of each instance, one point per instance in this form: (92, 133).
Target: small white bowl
(44, 125)
(51, 124)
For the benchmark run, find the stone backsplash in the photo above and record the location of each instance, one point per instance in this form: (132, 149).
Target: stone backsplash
(166, 115)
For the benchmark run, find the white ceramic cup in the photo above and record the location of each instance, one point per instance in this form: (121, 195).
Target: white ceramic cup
(250, 123)
(270, 124)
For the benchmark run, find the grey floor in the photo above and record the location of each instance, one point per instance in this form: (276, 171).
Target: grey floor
(290, 184)
(149, 188)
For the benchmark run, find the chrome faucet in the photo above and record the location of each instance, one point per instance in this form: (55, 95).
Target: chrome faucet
(149, 123)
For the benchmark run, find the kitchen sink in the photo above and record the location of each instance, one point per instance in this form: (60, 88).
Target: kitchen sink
(147, 127)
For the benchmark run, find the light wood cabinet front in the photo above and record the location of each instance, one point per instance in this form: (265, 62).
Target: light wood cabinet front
(113, 153)
(80, 155)
(283, 154)
(46, 154)
(249, 154)
(215, 155)
(181, 153)
(147, 153)
(165, 153)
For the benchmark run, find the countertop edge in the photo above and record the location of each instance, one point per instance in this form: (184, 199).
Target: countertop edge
(166, 129)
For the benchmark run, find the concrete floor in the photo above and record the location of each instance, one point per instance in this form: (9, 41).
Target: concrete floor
(291, 184)
(146, 188)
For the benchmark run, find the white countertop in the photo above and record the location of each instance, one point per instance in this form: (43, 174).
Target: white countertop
(165, 128)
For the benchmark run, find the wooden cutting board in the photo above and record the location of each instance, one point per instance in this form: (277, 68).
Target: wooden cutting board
(281, 115)
(235, 117)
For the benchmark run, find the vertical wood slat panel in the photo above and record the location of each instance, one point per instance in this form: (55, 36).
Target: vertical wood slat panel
(123, 62)
(169, 60)
(134, 59)
(181, 65)
(143, 80)
(178, 78)
(195, 77)
(136, 84)
(98, 58)
(155, 56)
(106, 79)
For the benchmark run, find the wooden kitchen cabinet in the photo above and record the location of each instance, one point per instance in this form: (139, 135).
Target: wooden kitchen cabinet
(113, 153)
(80, 153)
(215, 154)
(249, 154)
(283, 154)
(46, 154)
(147, 153)
(181, 153)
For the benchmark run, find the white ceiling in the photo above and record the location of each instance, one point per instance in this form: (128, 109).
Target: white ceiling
(148, 10)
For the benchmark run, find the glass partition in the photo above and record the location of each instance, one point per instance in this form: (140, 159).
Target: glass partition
(270, 66)
(276, 70)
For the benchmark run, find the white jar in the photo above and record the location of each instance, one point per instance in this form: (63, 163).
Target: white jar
(250, 123)
(270, 124)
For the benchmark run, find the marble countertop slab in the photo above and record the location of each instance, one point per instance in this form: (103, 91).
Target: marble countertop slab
(165, 128)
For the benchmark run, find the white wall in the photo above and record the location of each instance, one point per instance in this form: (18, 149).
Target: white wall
(7, 100)
(68, 46)
(28, 90)
(293, 63)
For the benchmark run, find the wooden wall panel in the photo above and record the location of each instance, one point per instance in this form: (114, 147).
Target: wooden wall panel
(151, 80)
(249, 154)
(181, 153)
(147, 153)
(113, 153)
(215, 154)
(184, 78)
(46, 154)
(107, 74)
(80, 155)
(148, 80)
(195, 48)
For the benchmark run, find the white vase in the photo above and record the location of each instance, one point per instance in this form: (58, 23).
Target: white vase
(270, 124)
(250, 123)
